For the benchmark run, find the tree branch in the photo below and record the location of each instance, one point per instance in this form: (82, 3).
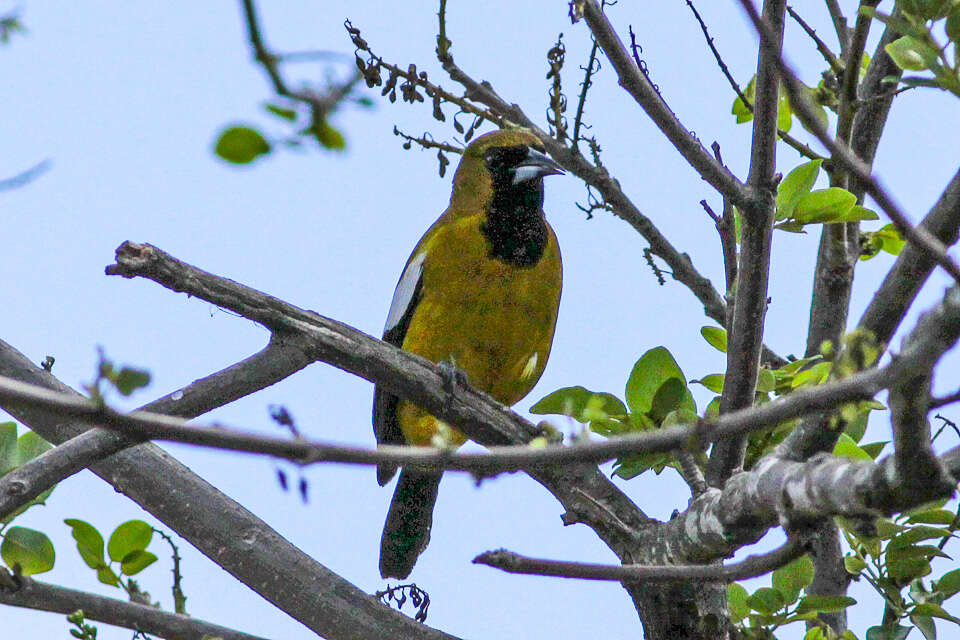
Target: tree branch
(144, 425)
(839, 24)
(750, 567)
(822, 46)
(33, 594)
(638, 86)
(750, 302)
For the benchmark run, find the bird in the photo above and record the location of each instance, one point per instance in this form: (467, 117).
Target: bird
(480, 293)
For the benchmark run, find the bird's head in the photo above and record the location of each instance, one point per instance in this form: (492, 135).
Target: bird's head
(498, 160)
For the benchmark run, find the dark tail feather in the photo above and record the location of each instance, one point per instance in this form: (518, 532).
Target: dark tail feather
(407, 530)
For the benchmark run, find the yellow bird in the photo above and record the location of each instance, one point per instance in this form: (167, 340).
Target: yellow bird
(480, 291)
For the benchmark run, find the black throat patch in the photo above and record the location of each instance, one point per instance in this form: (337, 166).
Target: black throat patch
(514, 226)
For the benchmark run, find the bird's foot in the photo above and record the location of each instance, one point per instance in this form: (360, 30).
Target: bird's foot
(452, 376)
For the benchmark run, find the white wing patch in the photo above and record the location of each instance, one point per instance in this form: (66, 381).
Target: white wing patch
(531, 367)
(403, 295)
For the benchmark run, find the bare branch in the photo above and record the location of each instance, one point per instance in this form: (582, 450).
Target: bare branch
(822, 46)
(839, 24)
(33, 594)
(145, 425)
(750, 567)
(638, 86)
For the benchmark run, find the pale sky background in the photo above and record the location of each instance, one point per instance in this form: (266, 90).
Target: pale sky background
(125, 99)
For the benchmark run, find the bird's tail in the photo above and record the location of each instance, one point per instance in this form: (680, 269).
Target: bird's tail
(407, 530)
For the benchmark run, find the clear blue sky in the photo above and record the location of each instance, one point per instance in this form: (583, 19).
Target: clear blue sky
(125, 100)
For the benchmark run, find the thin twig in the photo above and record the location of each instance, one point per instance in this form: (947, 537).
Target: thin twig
(750, 567)
(145, 425)
(839, 24)
(822, 46)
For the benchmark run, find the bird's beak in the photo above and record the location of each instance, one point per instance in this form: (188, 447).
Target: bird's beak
(535, 165)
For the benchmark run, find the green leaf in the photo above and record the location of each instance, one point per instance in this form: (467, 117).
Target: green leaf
(784, 113)
(129, 380)
(241, 145)
(789, 580)
(854, 565)
(650, 372)
(766, 381)
(8, 447)
(948, 584)
(796, 184)
(281, 112)
(933, 610)
(136, 561)
(824, 205)
(932, 516)
(29, 446)
(907, 564)
(329, 137)
(847, 448)
(714, 382)
(737, 602)
(89, 542)
(30, 549)
(858, 213)
(715, 337)
(766, 600)
(573, 402)
(740, 109)
(926, 626)
(873, 449)
(815, 375)
(133, 535)
(672, 395)
(917, 534)
(824, 604)
(631, 466)
(952, 26)
(909, 53)
(106, 575)
(895, 632)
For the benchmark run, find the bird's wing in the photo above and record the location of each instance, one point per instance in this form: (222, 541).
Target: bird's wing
(386, 426)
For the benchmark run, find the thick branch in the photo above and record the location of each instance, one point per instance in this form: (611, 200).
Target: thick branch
(750, 306)
(750, 567)
(41, 596)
